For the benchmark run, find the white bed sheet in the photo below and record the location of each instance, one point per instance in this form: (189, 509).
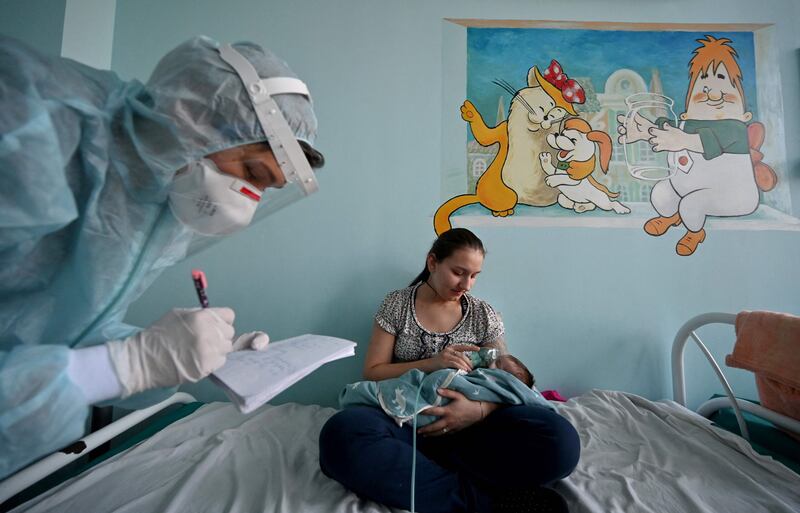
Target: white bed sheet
(637, 456)
(659, 457)
(216, 460)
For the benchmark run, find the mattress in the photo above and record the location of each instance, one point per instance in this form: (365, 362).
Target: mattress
(215, 460)
(637, 456)
(643, 456)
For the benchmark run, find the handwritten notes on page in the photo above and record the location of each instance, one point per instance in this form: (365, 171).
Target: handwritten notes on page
(251, 378)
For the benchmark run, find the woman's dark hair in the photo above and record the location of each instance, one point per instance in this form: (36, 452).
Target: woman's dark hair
(448, 243)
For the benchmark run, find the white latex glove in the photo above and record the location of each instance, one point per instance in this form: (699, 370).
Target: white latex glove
(255, 340)
(184, 345)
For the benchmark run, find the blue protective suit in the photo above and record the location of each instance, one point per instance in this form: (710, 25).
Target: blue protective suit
(86, 160)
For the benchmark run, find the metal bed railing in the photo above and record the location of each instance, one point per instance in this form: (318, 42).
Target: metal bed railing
(49, 464)
(706, 409)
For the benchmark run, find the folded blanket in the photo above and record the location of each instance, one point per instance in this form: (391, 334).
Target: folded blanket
(397, 396)
(768, 344)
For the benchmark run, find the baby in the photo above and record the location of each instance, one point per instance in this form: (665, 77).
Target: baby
(492, 359)
(495, 378)
(514, 366)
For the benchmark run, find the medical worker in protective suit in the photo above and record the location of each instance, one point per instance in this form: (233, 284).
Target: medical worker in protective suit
(103, 184)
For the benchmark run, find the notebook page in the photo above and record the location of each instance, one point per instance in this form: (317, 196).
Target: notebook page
(257, 376)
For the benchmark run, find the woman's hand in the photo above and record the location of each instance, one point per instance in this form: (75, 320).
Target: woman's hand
(459, 414)
(453, 357)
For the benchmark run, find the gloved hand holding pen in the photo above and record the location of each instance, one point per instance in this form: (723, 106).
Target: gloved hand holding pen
(185, 345)
(255, 340)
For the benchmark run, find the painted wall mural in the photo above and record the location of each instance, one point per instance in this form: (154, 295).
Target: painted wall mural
(674, 130)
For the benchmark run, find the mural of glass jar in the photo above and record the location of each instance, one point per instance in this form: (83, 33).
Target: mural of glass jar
(644, 163)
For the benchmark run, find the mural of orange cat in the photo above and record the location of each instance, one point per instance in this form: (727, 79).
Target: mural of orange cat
(513, 177)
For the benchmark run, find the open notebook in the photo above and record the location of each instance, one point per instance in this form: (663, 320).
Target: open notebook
(251, 378)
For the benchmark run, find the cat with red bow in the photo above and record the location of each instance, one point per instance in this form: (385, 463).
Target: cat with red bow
(514, 176)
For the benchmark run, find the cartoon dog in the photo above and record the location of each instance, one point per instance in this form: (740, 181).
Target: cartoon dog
(572, 176)
(535, 113)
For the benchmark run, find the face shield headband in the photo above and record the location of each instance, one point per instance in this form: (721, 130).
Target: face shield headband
(282, 141)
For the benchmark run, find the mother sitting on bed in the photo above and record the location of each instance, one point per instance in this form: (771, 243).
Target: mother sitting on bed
(477, 456)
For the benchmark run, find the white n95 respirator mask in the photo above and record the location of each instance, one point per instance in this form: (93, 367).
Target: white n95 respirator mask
(211, 202)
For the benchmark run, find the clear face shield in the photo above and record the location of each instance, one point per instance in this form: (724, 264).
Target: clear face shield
(230, 189)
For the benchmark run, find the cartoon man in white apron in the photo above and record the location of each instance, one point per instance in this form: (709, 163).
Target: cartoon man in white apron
(709, 148)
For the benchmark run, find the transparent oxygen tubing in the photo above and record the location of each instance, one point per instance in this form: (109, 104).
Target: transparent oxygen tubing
(414, 445)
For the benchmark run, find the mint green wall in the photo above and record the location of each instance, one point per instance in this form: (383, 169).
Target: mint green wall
(585, 308)
(39, 23)
(91, 47)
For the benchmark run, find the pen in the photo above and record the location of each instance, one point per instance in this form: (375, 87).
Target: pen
(200, 284)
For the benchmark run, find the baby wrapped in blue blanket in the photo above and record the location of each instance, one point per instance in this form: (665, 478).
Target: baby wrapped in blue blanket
(507, 382)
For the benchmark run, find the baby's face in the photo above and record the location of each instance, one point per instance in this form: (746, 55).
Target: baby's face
(505, 364)
(508, 364)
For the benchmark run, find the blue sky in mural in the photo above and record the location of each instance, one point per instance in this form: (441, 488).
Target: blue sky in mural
(508, 54)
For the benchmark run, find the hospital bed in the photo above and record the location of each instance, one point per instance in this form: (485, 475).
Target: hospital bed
(637, 456)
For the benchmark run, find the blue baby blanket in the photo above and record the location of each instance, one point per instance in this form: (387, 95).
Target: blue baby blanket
(396, 396)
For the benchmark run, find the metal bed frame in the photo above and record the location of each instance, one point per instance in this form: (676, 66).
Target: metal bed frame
(49, 464)
(708, 408)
